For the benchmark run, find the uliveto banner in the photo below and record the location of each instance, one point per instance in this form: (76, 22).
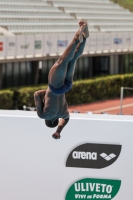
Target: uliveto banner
(91, 188)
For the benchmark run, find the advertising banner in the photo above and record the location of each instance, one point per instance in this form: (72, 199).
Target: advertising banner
(106, 41)
(119, 41)
(113, 41)
(93, 42)
(100, 41)
(54, 44)
(127, 40)
(2, 46)
(63, 42)
(91, 188)
(131, 42)
(22, 45)
(11, 46)
(87, 45)
(92, 159)
(47, 44)
(39, 44)
(53, 40)
(30, 45)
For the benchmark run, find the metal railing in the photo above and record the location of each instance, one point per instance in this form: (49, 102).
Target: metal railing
(121, 97)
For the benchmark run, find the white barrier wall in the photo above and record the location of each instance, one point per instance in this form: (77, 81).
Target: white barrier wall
(20, 46)
(92, 160)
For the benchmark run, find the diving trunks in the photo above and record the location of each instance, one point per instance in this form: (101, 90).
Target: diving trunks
(65, 88)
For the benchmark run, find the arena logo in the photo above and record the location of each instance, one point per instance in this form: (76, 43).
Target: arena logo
(95, 156)
(91, 188)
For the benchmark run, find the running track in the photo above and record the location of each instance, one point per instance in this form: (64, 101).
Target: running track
(108, 106)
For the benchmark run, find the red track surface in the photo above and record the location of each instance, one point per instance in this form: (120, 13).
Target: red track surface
(109, 106)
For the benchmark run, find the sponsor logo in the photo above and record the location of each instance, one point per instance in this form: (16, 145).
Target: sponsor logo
(62, 43)
(90, 188)
(49, 43)
(38, 44)
(26, 46)
(108, 157)
(95, 156)
(11, 44)
(117, 41)
(128, 40)
(1, 46)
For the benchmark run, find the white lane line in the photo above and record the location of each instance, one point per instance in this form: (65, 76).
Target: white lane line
(113, 108)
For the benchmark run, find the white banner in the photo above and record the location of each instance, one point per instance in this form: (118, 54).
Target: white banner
(93, 42)
(2, 46)
(11, 46)
(127, 41)
(53, 39)
(106, 41)
(113, 42)
(39, 44)
(131, 36)
(54, 44)
(130, 40)
(92, 160)
(21, 45)
(62, 42)
(100, 42)
(30, 46)
(119, 41)
(47, 44)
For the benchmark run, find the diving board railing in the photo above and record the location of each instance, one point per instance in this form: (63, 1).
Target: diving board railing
(121, 97)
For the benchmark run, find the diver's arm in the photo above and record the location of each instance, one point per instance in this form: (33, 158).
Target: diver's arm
(62, 123)
(38, 98)
(41, 93)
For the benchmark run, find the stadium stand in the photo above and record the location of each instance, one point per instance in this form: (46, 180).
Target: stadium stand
(36, 16)
(43, 28)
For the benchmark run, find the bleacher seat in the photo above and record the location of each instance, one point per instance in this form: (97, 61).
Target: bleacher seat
(40, 16)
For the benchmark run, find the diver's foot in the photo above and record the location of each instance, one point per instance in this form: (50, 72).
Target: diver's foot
(79, 34)
(56, 135)
(86, 30)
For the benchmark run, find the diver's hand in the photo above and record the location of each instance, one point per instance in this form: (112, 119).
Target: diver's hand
(56, 135)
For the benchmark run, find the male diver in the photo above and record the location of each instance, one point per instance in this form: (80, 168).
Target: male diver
(51, 103)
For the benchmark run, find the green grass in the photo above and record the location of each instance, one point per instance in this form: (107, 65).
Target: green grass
(128, 4)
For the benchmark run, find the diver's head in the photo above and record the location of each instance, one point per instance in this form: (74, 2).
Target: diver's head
(51, 124)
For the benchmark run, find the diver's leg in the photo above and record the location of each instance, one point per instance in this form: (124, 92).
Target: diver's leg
(57, 74)
(72, 63)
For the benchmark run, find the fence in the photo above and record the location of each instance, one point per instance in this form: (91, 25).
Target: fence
(121, 97)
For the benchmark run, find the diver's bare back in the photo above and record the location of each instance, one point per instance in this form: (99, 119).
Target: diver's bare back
(55, 105)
